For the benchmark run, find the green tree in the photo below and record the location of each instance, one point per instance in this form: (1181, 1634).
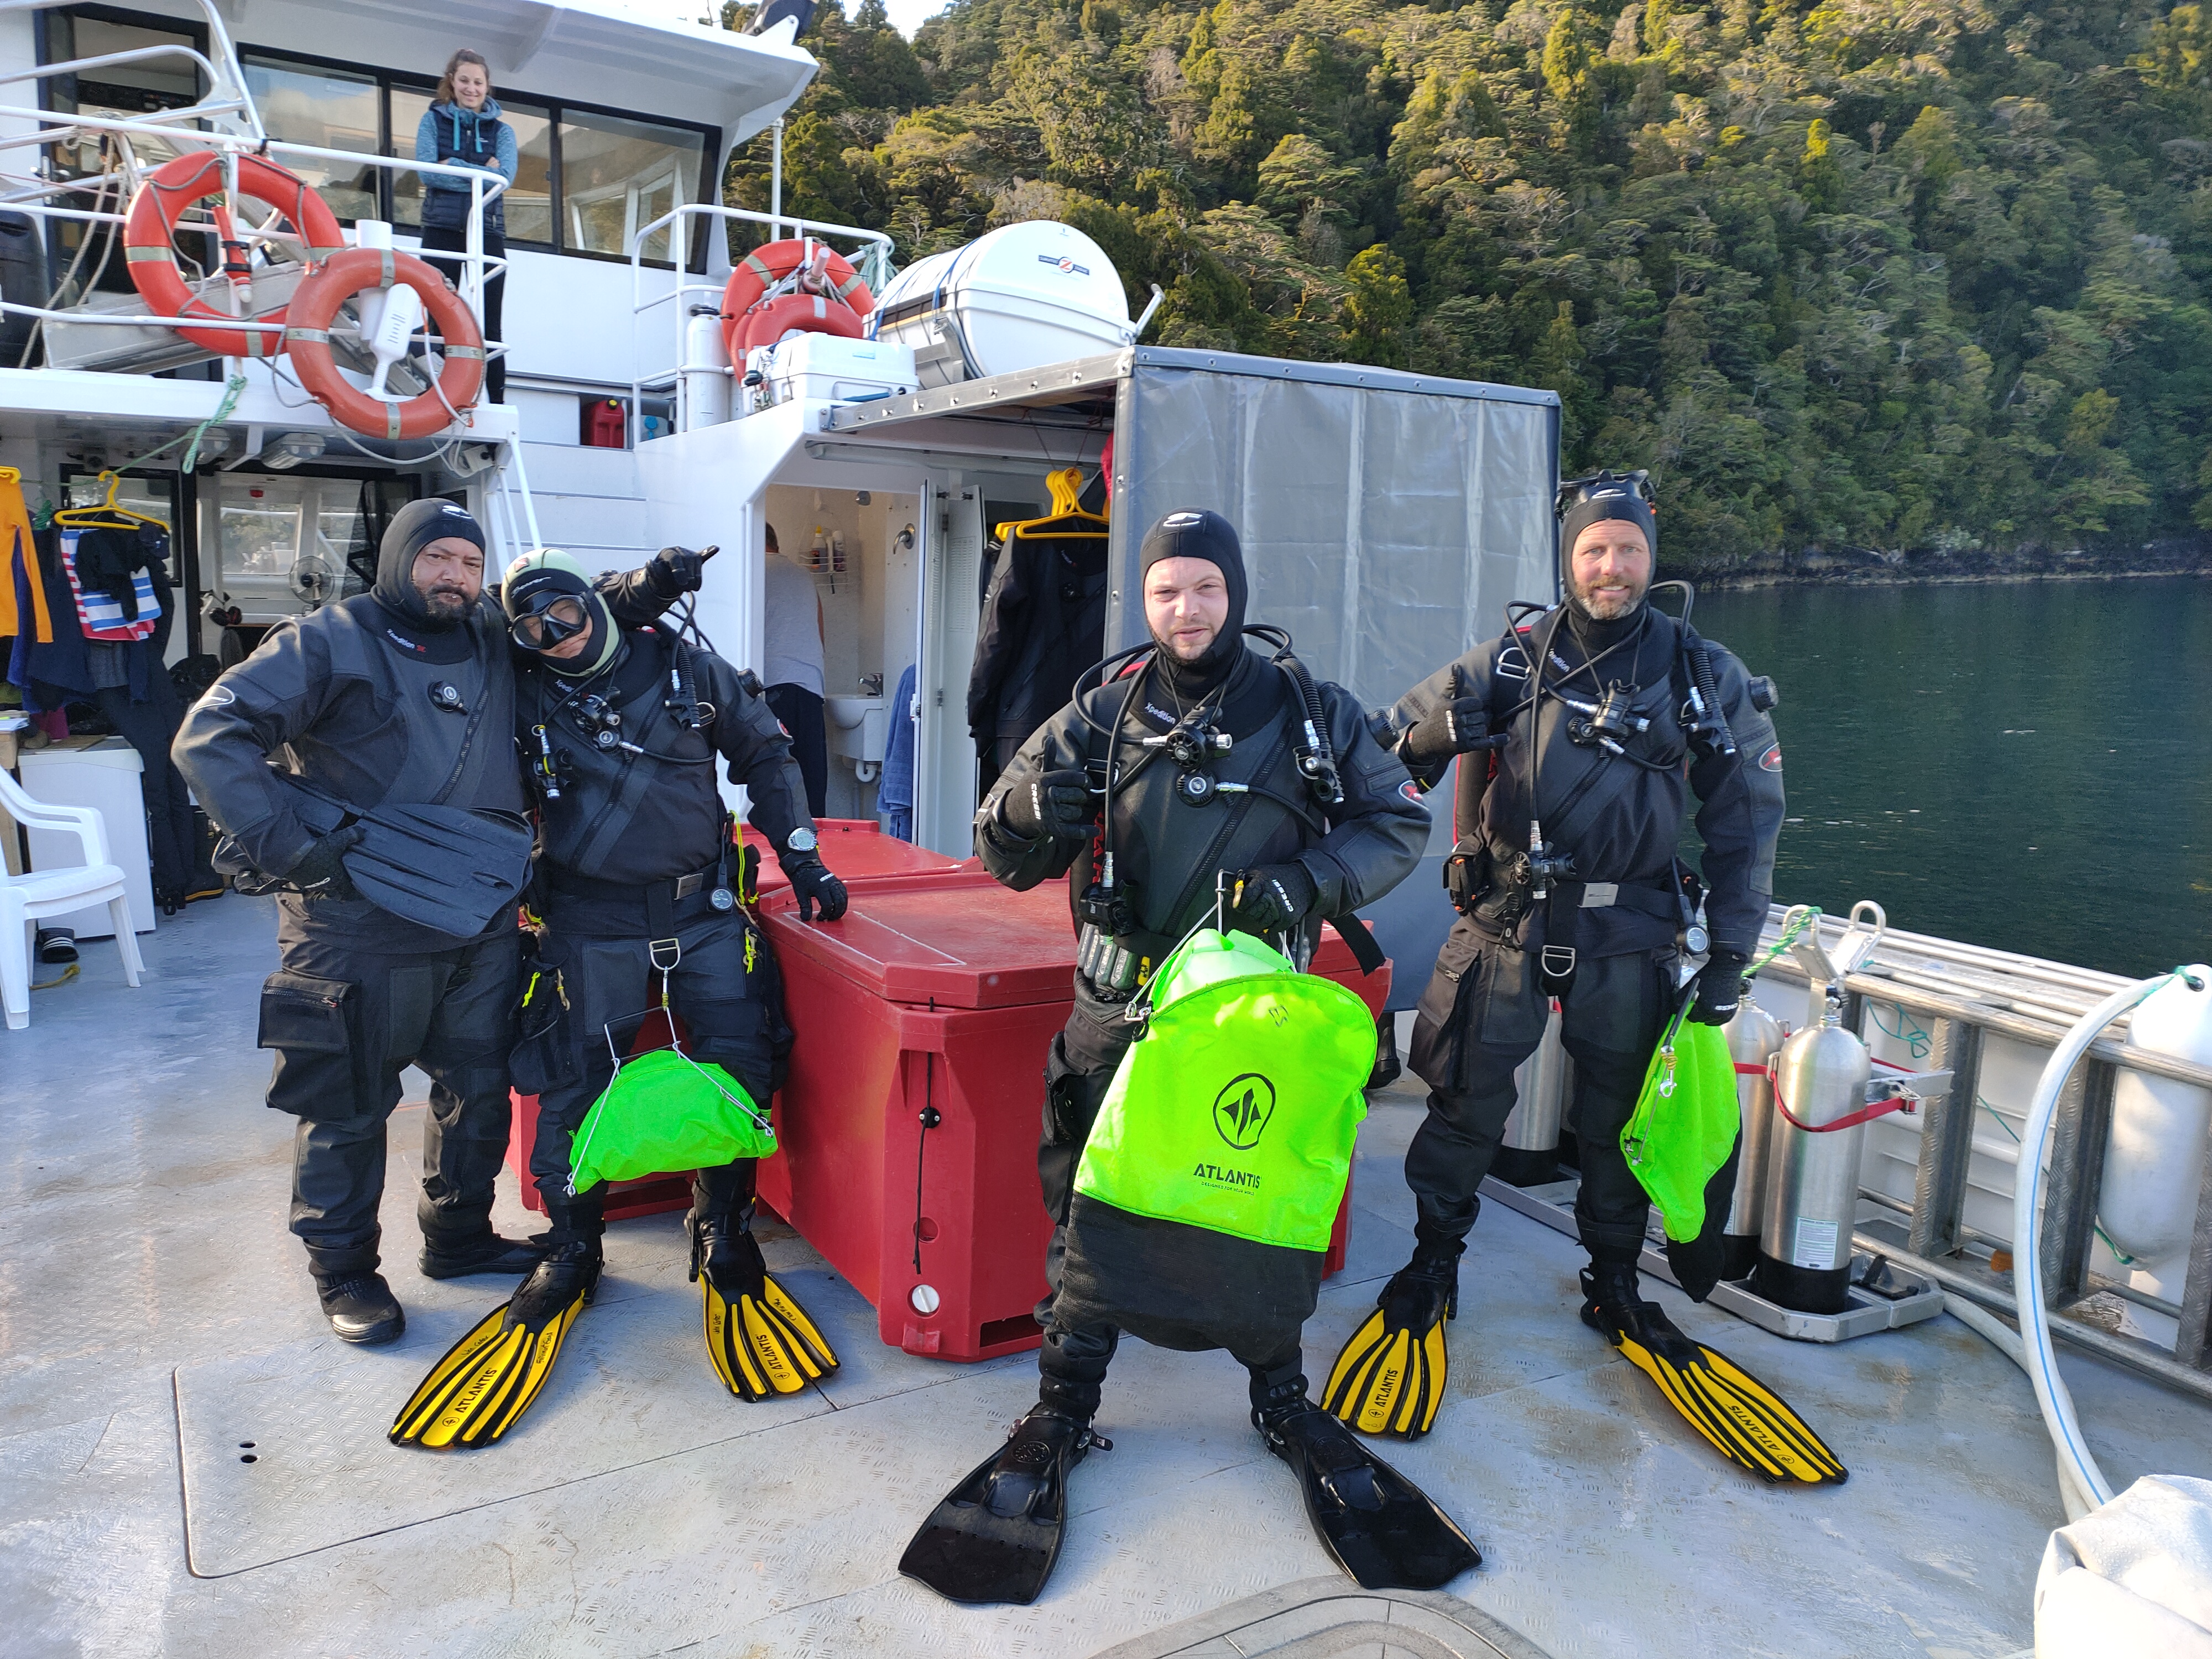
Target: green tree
(1378, 310)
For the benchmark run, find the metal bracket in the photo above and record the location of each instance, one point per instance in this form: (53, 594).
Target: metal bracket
(1909, 1298)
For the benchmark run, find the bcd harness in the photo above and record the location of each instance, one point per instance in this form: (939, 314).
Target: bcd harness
(1502, 892)
(1104, 908)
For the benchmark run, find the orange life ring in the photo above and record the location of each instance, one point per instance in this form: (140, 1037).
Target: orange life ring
(810, 312)
(150, 225)
(768, 264)
(307, 338)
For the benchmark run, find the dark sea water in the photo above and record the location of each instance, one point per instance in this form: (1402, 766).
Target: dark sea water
(2024, 765)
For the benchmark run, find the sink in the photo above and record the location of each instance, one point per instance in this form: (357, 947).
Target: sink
(858, 726)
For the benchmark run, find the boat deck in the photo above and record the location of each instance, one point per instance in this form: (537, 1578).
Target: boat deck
(190, 1464)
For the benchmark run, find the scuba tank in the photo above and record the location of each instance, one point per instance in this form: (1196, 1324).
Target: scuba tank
(1821, 1080)
(1528, 1155)
(1754, 1037)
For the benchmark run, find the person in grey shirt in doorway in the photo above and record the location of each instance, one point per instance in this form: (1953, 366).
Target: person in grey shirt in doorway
(792, 669)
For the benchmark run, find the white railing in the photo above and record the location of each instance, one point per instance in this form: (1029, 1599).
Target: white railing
(236, 129)
(873, 264)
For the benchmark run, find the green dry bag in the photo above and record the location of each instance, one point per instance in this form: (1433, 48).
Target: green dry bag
(1686, 1122)
(1235, 1111)
(664, 1112)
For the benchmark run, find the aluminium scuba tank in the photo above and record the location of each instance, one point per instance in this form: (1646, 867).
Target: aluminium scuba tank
(1812, 1179)
(1754, 1037)
(1528, 1153)
(706, 382)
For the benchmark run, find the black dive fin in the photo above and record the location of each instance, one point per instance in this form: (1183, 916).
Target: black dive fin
(1382, 1530)
(995, 1537)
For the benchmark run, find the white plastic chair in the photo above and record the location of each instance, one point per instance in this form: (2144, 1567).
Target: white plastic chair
(24, 899)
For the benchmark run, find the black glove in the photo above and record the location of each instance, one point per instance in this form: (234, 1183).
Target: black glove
(1450, 728)
(675, 571)
(319, 869)
(1720, 987)
(1270, 898)
(1055, 804)
(811, 880)
(1697, 1262)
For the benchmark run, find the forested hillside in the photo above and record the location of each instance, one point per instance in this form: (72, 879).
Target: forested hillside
(1918, 275)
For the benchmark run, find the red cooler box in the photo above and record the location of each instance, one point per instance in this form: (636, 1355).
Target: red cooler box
(937, 995)
(857, 850)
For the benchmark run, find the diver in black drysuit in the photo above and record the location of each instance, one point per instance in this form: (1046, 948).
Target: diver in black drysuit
(636, 874)
(1605, 940)
(1296, 857)
(394, 697)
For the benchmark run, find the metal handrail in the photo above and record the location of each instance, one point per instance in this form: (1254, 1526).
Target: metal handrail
(476, 267)
(1962, 1017)
(224, 72)
(875, 271)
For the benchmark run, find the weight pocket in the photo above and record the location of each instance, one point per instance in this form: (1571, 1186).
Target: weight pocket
(545, 1056)
(308, 1014)
(1438, 1053)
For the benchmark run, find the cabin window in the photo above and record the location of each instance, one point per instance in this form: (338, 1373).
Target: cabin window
(584, 179)
(330, 109)
(618, 175)
(139, 90)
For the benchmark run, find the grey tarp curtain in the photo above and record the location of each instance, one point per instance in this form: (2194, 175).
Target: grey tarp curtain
(1386, 518)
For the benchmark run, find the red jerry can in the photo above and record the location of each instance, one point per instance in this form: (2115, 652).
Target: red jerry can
(606, 425)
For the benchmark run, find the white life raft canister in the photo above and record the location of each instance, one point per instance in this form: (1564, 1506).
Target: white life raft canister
(1022, 297)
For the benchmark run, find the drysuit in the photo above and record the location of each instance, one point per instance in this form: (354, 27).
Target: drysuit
(1044, 623)
(633, 854)
(1608, 927)
(374, 699)
(1171, 853)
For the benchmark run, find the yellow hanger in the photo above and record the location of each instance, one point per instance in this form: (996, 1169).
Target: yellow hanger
(1067, 486)
(86, 518)
(11, 475)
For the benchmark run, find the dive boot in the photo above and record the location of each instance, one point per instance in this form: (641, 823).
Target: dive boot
(994, 1540)
(1747, 1421)
(486, 1253)
(1390, 1378)
(490, 1377)
(762, 1342)
(362, 1309)
(1380, 1528)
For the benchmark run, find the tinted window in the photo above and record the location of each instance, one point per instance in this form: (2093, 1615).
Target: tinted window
(618, 175)
(327, 108)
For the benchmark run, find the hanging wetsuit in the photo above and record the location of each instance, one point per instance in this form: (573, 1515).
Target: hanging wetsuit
(1044, 623)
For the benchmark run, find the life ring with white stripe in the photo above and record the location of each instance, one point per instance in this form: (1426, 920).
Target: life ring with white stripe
(307, 337)
(770, 264)
(148, 246)
(808, 313)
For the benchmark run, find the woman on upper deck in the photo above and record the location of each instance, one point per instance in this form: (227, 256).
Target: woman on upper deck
(462, 128)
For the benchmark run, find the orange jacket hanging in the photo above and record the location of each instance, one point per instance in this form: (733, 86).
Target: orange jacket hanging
(18, 541)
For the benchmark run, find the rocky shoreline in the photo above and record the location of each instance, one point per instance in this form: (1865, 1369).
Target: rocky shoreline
(1714, 582)
(1819, 568)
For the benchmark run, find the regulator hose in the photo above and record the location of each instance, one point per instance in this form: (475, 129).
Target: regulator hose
(2037, 1359)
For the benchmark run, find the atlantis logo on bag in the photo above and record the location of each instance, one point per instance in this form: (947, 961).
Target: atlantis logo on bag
(1242, 1109)
(1221, 1177)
